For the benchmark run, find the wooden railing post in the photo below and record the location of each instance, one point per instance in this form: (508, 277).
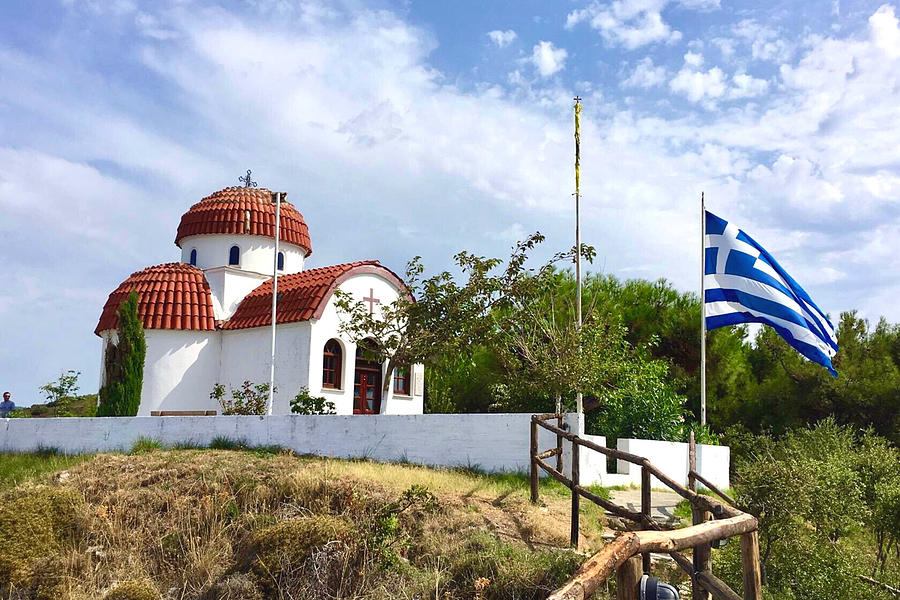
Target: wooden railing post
(534, 459)
(576, 497)
(628, 580)
(750, 563)
(559, 443)
(645, 510)
(703, 552)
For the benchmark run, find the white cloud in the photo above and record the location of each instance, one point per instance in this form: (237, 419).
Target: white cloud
(885, 33)
(699, 85)
(693, 59)
(548, 59)
(502, 38)
(746, 86)
(629, 23)
(645, 75)
(766, 44)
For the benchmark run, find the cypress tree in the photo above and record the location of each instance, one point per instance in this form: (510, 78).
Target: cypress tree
(121, 396)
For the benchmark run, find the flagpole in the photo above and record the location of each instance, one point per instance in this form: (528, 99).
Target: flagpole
(277, 197)
(578, 396)
(702, 309)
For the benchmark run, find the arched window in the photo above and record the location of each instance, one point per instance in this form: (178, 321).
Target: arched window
(331, 365)
(281, 261)
(194, 256)
(401, 380)
(234, 256)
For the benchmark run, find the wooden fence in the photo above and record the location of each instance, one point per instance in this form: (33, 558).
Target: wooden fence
(628, 555)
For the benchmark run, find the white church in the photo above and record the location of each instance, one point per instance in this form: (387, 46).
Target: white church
(207, 319)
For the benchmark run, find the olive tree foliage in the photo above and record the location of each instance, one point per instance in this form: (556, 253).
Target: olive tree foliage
(60, 393)
(124, 365)
(518, 322)
(827, 499)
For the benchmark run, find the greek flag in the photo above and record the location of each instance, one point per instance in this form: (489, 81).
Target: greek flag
(744, 284)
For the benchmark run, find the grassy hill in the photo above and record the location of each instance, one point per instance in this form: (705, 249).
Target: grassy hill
(220, 524)
(80, 406)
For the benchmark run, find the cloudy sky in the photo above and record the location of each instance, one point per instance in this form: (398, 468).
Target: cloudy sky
(422, 128)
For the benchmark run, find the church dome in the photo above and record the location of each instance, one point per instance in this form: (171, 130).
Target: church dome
(244, 211)
(170, 296)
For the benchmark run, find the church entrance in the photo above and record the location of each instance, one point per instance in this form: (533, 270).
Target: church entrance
(366, 385)
(367, 392)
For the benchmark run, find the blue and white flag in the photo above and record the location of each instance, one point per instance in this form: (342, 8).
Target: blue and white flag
(744, 284)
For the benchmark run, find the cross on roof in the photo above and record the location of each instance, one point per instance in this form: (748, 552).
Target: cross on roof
(372, 300)
(245, 179)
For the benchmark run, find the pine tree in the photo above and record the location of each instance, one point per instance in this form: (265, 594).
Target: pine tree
(121, 396)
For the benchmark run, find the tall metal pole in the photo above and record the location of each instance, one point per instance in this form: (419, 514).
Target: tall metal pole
(276, 196)
(578, 397)
(702, 309)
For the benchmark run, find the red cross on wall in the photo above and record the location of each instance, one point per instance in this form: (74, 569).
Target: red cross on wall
(372, 300)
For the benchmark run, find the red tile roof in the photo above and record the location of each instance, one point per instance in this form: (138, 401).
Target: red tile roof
(301, 296)
(226, 211)
(170, 296)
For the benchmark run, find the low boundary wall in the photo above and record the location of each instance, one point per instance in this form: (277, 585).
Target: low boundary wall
(492, 442)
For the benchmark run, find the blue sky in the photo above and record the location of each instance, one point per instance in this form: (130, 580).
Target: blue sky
(422, 128)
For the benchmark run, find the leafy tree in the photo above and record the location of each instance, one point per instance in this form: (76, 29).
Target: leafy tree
(124, 362)
(510, 330)
(60, 393)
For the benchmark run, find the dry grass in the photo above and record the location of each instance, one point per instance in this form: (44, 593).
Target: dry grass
(245, 525)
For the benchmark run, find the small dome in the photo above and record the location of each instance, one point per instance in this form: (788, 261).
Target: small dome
(170, 296)
(244, 211)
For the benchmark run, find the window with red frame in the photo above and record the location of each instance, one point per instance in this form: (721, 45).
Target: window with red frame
(331, 365)
(401, 380)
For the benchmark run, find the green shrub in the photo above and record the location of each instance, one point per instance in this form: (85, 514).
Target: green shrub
(278, 552)
(304, 404)
(132, 590)
(227, 443)
(828, 505)
(144, 445)
(35, 523)
(250, 399)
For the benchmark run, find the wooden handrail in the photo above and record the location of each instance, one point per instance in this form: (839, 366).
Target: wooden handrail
(713, 488)
(717, 508)
(604, 563)
(615, 556)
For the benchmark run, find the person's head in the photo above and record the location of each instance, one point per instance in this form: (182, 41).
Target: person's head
(6, 396)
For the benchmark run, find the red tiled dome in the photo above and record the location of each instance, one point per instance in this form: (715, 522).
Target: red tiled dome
(170, 296)
(243, 210)
(301, 296)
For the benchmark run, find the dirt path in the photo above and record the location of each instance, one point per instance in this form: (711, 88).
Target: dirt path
(662, 503)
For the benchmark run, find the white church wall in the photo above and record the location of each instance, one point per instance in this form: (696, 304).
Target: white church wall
(493, 442)
(256, 252)
(328, 326)
(178, 369)
(229, 286)
(246, 355)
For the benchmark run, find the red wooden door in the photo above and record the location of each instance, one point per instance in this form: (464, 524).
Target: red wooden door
(367, 393)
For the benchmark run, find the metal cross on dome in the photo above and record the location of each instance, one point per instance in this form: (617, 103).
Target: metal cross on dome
(245, 179)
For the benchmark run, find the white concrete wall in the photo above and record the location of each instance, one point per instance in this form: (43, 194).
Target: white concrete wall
(257, 252)
(493, 442)
(246, 355)
(673, 459)
(328, 326)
